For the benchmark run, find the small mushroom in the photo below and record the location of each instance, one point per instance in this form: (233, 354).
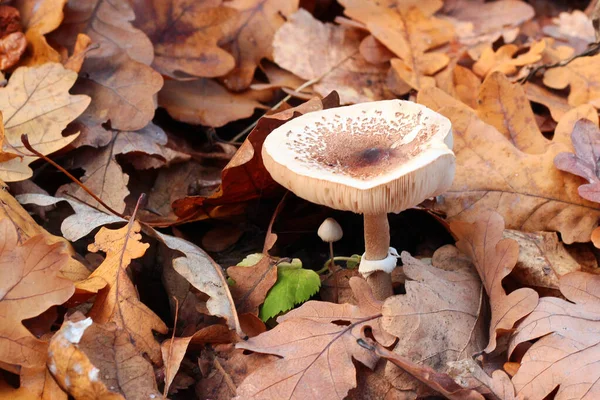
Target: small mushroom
(330, 231)
(370, 158)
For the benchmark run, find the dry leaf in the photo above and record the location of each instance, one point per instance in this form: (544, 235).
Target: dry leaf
(205, 275)
(580, 75)
(503, 60)
(557, 105)
(35, 383)
(584, 163)
(108, 25)
(12, 47)
(461, 83)
(494, 259)
(409, 30)
(436, 321)
(36, 102)
(245, 178)
(317, 352)
(253, 36)
(374, 51)
(567, 351)
(82, 45)
(575, 26)
(185, 35)
(252, 284)
(72, 368)
(312, 50)
(30, 284)
(118, 302)
(10, 20)
(205, 102)
(493, 174)
(122, 90)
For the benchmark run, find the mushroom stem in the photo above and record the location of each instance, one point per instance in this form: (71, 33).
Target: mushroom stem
(377, 247)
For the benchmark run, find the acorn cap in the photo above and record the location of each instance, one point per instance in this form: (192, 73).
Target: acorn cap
(369, 158)
(330, 231)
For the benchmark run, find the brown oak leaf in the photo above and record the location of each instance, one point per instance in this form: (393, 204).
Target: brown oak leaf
(584, 163)
(29, 285)
(35, 383)
(252, 284)
(12, 47)
(205, 102)
(253, 36)
(556, 104)
(493, 174)
(317, 350)
(409, 30)
(117, 299)
(494, 258)
(436, 321)
(186, 34)
(504, 60)
(567, 352)
(312, 49)
(581, 76)
(36, 102)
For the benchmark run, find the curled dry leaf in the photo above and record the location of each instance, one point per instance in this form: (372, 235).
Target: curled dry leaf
(494, 174)
(245, 177)
(582, 78)
(29, 285)
(108, 25)
(503, 60)
(567, 352)
(317, 351)
(252, 284)
(36, 102)
(122, 90)
(253, 36)
(72, 368)
(436, 321)
(205, 102)
(312, 50)
(494, 258)
(584, 163)
(409, 30)
(117, 299)
(35, 383)
(557, 105)
(12, 47)
(121, 366)
(185, 35)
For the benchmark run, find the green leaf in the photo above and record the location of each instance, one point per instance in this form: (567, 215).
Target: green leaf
(351, 264)
(294, 286)
(250, 260)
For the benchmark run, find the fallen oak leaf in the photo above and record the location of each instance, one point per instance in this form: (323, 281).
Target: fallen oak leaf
(329, 55)
(557, 105)
(584, 163)
(317, 352)
(29, 286)
(253, 36)
(252, 284)
(494, 174)
(205, 102)
(436, 321)
(185, 35)
(245, 178)
(118, 301)
(567, 351)
(580, 75)
(108, 24)
(37, 102)
(71, 367)
(35, 383)
(503, 60)
(12, 47)
(494, 258)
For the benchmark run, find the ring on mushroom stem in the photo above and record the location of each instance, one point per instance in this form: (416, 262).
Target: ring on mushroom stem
(370, 158)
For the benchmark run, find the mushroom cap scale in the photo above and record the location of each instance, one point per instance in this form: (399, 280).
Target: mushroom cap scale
(369, 158)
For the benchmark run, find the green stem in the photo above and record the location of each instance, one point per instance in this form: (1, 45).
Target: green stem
(328, 262)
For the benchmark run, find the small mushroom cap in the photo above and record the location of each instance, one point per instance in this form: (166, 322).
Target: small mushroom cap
(369, 158)
(330, 231)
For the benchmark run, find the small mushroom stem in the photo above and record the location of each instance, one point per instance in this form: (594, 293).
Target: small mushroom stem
(377, 247)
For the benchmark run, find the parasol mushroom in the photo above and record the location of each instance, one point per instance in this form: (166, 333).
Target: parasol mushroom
(370, 158)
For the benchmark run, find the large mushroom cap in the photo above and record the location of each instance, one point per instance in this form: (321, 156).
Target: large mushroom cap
(369, 158)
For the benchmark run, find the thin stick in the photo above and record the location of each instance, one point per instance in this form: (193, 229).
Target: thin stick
(168, 367)
(28, 146)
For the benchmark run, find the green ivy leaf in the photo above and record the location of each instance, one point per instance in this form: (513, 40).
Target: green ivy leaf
(294, 285)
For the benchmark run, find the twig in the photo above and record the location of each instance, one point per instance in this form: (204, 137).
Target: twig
(28, 146)
(226, 376)
(592, 50)
(170, 356)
